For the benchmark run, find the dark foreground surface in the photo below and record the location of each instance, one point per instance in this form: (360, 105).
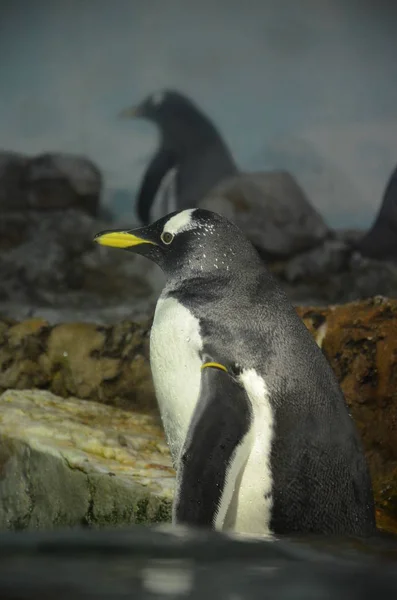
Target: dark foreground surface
(143, 562)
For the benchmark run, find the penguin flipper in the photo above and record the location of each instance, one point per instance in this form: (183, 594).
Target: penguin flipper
(162, 162)
(214, 451)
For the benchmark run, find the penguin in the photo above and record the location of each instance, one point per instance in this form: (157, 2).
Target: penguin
(380, 242)
(191, 159)
(258, 429)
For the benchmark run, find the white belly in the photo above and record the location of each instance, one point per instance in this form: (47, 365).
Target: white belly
(165, 200)
(175, 345)
(247, 504)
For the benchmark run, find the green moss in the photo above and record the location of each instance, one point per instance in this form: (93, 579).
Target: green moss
(163, 513)
(141, 510)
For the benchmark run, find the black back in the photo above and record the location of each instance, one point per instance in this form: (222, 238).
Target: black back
(320, 475)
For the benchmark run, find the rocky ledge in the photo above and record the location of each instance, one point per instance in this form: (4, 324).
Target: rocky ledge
(108, 365)
(69, 462)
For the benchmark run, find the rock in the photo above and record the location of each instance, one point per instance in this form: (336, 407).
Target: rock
(319, 263)
(110, 364)
(360, 341)
(59, 181)
(105, 364)
(271, 209)
(335, 273)
(49, 266)
(349, 236)
(67, 462)
(49, 181)
(43, 253)
(13, 194)
(137, 309)
(48, 261)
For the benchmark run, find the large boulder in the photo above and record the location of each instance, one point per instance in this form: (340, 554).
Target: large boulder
(50, 211)
(49, 181)
(272, 209)
(67, 462)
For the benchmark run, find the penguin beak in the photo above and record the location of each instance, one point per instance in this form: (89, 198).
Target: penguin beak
(130, 113)
(118, 238)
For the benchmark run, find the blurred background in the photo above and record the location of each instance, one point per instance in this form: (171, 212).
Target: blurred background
(308, 86)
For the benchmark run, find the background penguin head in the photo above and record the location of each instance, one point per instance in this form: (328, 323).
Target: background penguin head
(171, 111)
(191, 242)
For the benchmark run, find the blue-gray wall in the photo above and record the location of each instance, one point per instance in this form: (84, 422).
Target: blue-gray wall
(309, 85)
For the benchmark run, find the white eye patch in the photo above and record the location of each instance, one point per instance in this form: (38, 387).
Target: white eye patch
(183, 221)
(158, 98)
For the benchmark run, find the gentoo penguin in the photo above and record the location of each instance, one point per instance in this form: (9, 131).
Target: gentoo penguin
(380, 242)
(191, 159)
(257, 425)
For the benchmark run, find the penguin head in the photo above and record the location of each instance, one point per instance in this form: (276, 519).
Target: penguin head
(167, 108)
(185, 243)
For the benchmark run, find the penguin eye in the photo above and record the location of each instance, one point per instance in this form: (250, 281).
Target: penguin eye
(167, 237)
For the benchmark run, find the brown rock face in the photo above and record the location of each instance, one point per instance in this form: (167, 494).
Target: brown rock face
(110, 364)
(106, 364)
(360, 341)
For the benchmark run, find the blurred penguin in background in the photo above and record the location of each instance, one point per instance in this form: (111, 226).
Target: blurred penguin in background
(191, 160)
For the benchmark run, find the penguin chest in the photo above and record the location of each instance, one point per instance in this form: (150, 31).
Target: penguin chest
(165, 199)
(175, 345)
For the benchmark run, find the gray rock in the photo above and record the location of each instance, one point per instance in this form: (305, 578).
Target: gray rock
(271, 209)
(330, 258)
(348, 236)
(63, 181)
(43, 253)
(50, 267)
(334, 274)
(49, 181)
(13, 194)
(70, 462)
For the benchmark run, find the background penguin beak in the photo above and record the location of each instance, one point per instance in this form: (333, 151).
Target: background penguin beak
(118, 238)
(130, 112)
